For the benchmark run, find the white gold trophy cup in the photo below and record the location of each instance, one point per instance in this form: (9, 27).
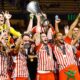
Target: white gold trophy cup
(34, 8)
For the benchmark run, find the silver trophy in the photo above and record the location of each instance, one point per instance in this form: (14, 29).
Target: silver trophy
(34, 8)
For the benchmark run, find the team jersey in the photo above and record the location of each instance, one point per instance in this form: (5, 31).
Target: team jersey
(3, 67)
(20, 69)
(45, 61)
(64, 60)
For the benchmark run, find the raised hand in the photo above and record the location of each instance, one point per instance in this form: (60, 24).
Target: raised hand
(58, 21)
(31, 16)
(7, 15)
(44, 15)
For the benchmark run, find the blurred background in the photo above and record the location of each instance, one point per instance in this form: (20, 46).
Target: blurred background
(66, 9)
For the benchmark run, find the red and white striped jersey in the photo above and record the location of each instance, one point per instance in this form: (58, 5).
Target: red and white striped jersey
(45, 62)
(64, 60)
(20, 69)
(42, 30)
(3, 68)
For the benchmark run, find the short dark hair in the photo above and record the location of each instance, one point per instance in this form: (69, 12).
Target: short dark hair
(42, 33)
(1, 12)
(45, 20)
(25, 34)
(55, 35)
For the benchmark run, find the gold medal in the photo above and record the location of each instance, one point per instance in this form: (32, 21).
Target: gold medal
(31, 60)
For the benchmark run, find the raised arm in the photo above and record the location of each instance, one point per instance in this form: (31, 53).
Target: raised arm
(30, 23)
(17, 43)
(7, 17)
(57, 21)
(38, 26)
(51, 32)
(38, 30)
(36, 38)
(73, 25)
(76, 39)
(7, 25)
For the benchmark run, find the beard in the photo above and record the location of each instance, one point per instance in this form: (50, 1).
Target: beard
(27, 45)
(45, 41)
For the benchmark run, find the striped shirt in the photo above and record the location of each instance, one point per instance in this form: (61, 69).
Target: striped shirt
(3, 68)
(45, 61)
(20, 69)
(42, 30)
(64, 60)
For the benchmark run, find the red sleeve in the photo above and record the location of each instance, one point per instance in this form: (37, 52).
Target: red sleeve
(53, 31)
(68, 40)
(52, 46)
(11, 40)
(38, 47)
(78, 53)
(78, 47)
(34, 30)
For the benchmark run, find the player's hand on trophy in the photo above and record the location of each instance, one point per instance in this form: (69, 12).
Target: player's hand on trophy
(31, 16)
(7, 15)
(44, 15)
